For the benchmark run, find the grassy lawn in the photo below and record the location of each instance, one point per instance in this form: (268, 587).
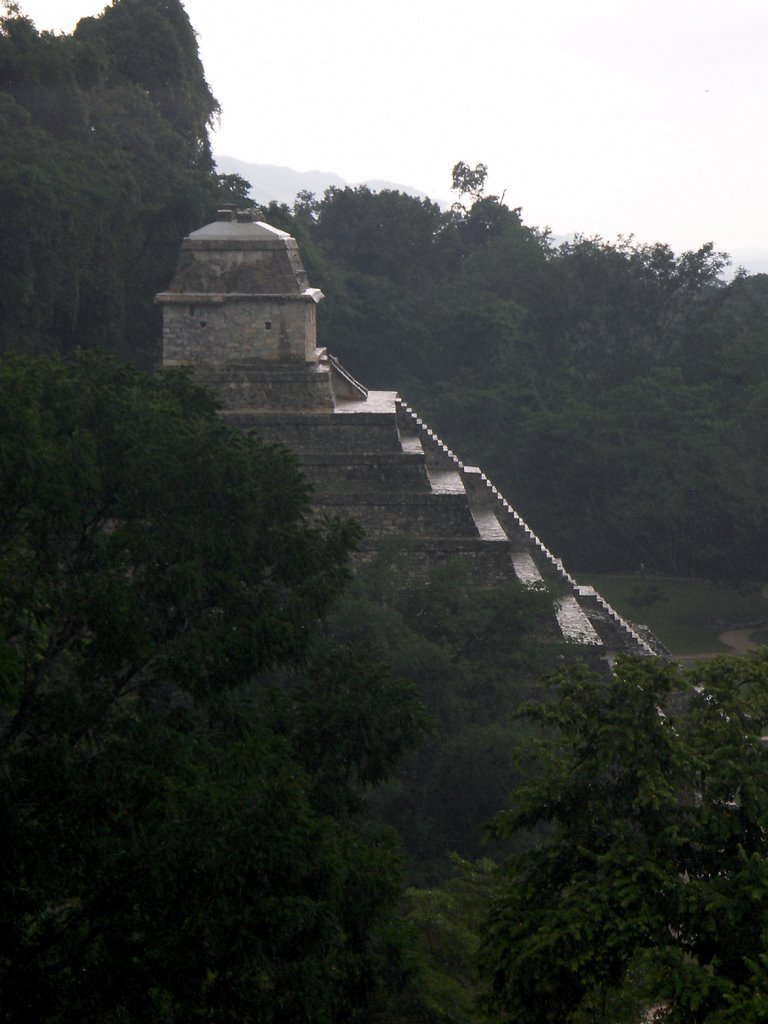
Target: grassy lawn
(687, 615)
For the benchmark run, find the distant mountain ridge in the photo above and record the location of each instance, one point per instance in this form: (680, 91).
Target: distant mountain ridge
(270, 182)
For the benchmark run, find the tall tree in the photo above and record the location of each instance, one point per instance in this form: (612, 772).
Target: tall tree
(181, 834)
(647, 875)
(106, 166)
(153, 46)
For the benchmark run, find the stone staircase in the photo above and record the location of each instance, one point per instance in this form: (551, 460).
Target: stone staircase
(372, 459)
(582, 614)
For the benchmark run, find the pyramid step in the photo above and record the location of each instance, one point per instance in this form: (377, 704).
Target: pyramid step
(525, 568)
(488, 525)
(384, 513)
(411, 444)
(573, 622)
(362, 472)
(488, 563)
(312, 432)
(621, 634)
(445, 481)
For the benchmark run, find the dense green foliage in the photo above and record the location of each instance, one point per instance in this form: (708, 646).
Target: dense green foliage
(104, 166)
(183, 758)
(650, 885)
(191, 732)
(448, 922)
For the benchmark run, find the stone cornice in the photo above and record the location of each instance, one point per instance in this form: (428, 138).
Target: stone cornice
(312, 295)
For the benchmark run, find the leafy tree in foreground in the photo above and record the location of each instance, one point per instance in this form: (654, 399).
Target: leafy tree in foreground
(180, 836)
(650, 886)
(449, 921)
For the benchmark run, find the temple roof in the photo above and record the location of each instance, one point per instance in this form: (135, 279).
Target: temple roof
(235, 255)
(233, 230)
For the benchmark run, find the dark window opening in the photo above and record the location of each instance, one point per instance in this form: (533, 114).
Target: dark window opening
(268, 324)
(203, 323)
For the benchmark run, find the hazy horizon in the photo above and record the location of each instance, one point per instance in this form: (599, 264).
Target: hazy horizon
(601, 118)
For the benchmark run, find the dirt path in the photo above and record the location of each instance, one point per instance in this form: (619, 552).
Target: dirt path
(737, 639)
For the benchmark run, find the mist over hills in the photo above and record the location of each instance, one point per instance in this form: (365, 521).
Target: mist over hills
(282, 184)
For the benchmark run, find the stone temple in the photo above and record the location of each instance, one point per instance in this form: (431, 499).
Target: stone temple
(241, 313)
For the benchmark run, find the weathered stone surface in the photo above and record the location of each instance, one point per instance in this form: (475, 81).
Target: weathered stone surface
(277, 329)
(368, 434)
(421, 515)
(488, 563)
(357, 472)
(300, 387)
(247, 257)
(573, 622)
(617, 634)
(240, 292)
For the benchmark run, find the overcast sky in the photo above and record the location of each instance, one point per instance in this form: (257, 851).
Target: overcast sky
(642, 117)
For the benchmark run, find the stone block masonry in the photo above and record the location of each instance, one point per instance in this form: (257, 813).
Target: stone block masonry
(216, 329)
(240, 292)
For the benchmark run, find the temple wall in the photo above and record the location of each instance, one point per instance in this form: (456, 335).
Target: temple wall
(217, 330)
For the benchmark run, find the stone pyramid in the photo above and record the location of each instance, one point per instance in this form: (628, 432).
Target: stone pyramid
(241, 313)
